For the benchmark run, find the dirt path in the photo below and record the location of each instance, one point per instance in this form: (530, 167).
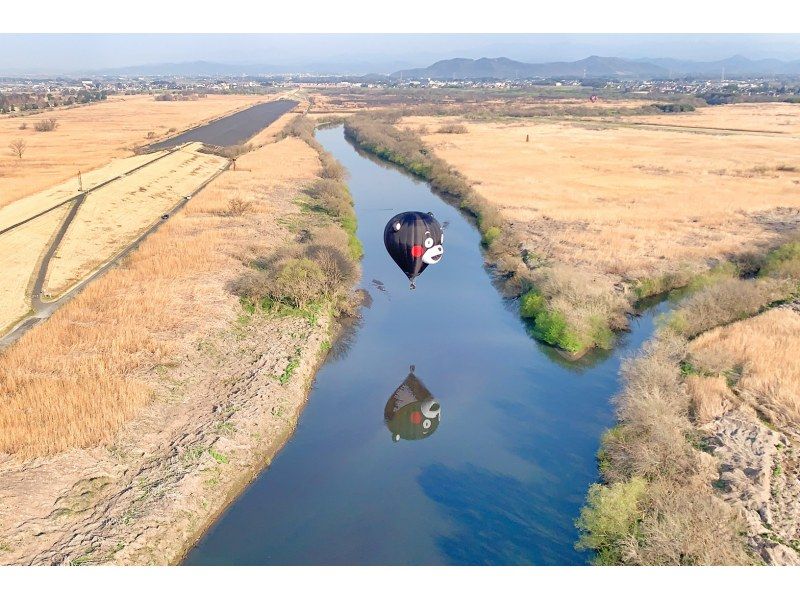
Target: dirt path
(44, 309)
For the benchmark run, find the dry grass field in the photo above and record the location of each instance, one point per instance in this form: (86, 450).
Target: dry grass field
(90, 136)
(630, 201)
(761, 352)
(37, 203)
(774, 117)
(20, 252)
(113, 216)
(75, 379)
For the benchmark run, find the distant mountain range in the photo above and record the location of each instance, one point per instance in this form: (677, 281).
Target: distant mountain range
(597, 66)
(505, 68)
(482, 68)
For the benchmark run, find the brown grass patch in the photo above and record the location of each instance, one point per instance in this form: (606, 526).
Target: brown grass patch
(710, 396)
(763, 353)
(765, 116)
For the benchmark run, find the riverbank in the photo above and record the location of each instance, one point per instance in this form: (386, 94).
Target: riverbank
(199, 387)
(702, 467)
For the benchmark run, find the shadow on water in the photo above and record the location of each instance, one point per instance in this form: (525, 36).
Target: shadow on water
(480, 455)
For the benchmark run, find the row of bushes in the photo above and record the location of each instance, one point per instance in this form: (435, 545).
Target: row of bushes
(405, 148)
(720, 296)
(676, 107)
(330, 194)
(322, 269)
(656, 506)
(521, 109)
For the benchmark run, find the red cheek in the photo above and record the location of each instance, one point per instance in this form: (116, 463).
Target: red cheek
(416, 418)
(416, 251)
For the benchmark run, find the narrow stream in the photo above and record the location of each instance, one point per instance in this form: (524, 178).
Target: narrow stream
(498, 478)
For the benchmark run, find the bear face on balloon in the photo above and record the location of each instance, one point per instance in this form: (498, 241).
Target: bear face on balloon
(414, 240)
(412, 413)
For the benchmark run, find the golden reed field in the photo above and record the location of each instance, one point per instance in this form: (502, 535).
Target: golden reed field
(77, 144)
(634, 200)
(104, 342)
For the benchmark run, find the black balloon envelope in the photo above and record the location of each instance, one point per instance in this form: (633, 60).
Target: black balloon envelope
(412, 413)
(414, 240)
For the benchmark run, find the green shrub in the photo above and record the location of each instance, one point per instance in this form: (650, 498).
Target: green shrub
(549, 326)
(531, 304)
(648, 287)
(490, 235)
(600, 333)
(783, 262)
(331, 196)
(611, 519)
(720, 272)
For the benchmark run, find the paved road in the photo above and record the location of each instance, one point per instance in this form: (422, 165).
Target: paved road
(233, 129)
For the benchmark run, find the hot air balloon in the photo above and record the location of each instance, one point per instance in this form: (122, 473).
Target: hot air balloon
(412, 413)
(414, 240)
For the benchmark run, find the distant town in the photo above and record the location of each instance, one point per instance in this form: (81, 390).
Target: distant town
(21, 94)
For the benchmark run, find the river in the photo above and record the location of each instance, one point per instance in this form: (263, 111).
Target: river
(497, 476)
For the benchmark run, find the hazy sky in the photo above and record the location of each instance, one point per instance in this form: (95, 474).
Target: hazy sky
(69, 53)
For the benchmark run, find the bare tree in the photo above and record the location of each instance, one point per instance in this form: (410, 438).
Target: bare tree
(18, 147)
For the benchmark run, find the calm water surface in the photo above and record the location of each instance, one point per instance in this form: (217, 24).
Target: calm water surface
(502, 476)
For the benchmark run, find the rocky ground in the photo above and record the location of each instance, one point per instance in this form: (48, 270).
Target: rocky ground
(759, 473)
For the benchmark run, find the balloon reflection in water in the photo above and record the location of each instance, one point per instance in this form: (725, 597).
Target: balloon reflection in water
(412, 412)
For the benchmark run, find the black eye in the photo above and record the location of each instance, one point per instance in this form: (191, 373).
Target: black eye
(428, 242)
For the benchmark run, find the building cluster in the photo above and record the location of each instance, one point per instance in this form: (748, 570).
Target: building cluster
(26, 94)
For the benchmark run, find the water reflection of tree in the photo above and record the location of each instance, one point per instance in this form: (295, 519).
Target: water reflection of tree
(499, 520)
(345, 338)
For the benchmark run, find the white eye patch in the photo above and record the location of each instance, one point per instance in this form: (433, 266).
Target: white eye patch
(428, 242)
(396, 226)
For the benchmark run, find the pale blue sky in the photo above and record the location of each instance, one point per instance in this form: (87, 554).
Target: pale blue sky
(71, 53)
